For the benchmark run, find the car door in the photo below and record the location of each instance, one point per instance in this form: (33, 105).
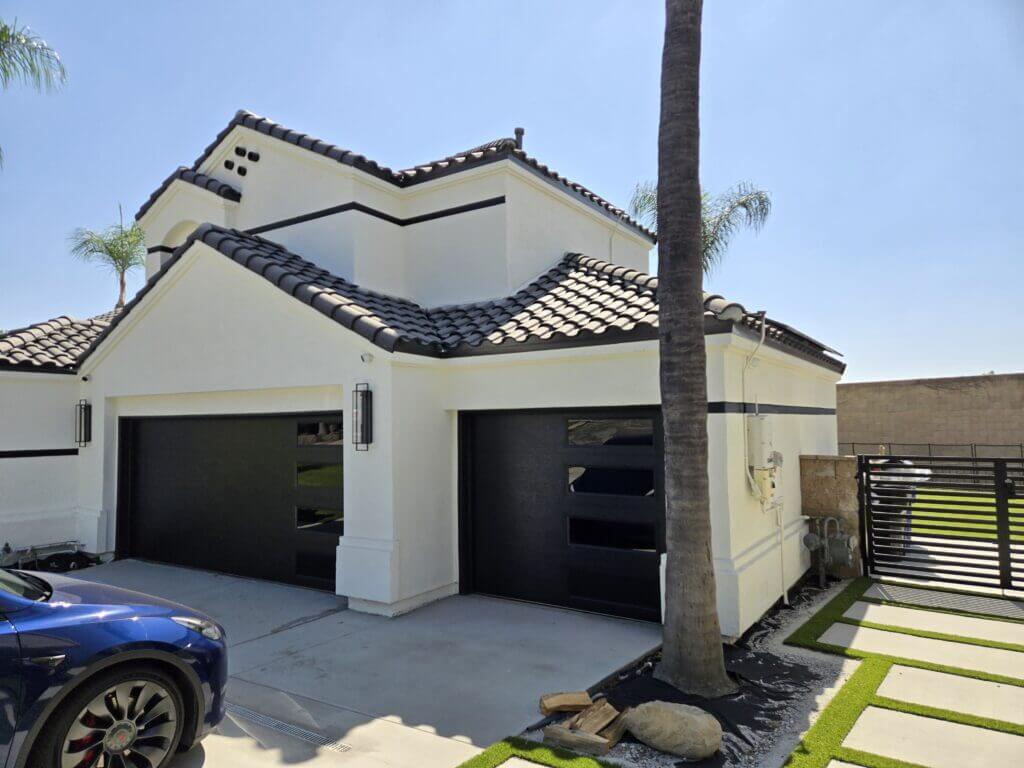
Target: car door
(10, 685)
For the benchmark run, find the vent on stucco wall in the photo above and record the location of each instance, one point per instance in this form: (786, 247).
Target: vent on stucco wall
(242, 154)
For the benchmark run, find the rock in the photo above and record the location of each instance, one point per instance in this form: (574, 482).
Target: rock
(678, 729)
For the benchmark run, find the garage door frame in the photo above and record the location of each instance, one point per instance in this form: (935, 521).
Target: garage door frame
(466, 549)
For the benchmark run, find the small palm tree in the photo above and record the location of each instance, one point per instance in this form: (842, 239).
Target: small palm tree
(117, 248)
(26, 58)
(720, 216)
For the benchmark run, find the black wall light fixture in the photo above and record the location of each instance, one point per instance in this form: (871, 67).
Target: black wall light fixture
(83, 423)
(362, 417)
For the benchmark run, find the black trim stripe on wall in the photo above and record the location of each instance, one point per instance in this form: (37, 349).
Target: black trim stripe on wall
(160, 249)
(354, 206)
(725, 406)
(37, 453)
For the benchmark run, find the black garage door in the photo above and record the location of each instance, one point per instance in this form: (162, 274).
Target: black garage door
(564, 508)
(252, 496)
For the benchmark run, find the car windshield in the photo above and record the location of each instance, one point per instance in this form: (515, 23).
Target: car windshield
(23, 586)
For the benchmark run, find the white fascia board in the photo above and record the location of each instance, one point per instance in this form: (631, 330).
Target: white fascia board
(624, 349)
(180, 187)
(741, 344)
(27, 374)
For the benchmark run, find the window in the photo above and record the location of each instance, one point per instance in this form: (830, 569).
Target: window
(321, 520)
(320, 476)
(319, 433)
(611, 534)
(596, 432)
(611, 481)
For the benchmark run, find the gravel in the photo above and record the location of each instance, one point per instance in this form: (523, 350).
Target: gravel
(795, 706)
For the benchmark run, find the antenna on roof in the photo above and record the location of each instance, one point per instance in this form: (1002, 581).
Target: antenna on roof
(519, 137)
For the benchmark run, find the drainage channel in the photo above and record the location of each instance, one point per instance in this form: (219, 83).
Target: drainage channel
(273, 724)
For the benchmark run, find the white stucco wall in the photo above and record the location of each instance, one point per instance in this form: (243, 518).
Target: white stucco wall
(39, 494)
(754, 574)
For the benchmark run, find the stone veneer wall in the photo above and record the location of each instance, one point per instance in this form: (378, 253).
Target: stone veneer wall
(828, 488)
(969, 409)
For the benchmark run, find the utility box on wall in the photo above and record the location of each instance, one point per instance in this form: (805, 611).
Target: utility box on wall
(760, 446)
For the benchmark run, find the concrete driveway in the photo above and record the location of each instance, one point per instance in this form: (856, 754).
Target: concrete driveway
(315, 684)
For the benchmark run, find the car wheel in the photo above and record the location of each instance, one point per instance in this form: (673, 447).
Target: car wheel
(130, 717)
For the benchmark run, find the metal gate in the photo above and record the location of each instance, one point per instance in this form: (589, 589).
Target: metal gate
(944, 519)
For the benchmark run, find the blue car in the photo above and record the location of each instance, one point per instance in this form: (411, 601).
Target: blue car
(93, 676)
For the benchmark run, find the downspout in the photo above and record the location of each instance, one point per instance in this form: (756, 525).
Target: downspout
(746, 454)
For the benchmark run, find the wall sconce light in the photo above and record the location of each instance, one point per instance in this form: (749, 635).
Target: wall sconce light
(362, 417)
(83, 423)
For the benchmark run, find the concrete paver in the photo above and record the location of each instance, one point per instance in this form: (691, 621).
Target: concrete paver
(930, 742)
(955, 693)
(1011, 609)
(934, 621)
(991, 660)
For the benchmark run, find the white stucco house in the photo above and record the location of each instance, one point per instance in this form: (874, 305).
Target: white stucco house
(400, 385)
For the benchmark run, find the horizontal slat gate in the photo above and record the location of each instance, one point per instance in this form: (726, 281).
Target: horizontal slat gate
(944, 519)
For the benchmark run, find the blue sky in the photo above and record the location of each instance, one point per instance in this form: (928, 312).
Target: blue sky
(889, 135)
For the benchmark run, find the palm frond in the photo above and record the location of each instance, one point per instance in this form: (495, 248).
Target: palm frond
(119, 248)
(721, 216)
(743, 205)
(25, 57)
(644, 204)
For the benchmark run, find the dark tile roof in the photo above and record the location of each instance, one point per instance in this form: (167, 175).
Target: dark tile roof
(53, 346)
(208, 183)
(493, 151)
(577, 302)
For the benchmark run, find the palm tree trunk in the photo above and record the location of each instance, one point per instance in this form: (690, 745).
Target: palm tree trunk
(121, 295)
(692, 657)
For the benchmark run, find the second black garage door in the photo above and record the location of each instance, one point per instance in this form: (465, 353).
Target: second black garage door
(564, 508)
(258, 496)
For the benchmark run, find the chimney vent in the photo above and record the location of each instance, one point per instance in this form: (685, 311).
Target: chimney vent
(519, 138)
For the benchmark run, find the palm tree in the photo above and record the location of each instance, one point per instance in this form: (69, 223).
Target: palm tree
(692, 657)
(119, 249)
(25, 57)
(720, 216)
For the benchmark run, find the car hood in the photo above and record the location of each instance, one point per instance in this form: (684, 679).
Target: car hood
(79, 592)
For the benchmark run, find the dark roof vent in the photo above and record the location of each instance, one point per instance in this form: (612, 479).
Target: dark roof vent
(519, 138)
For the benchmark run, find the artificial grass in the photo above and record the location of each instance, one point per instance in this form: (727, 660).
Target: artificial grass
(824, 741)
(807, 634)
(532, 752)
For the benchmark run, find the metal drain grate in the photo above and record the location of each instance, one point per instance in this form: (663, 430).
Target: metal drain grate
(265, 721)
